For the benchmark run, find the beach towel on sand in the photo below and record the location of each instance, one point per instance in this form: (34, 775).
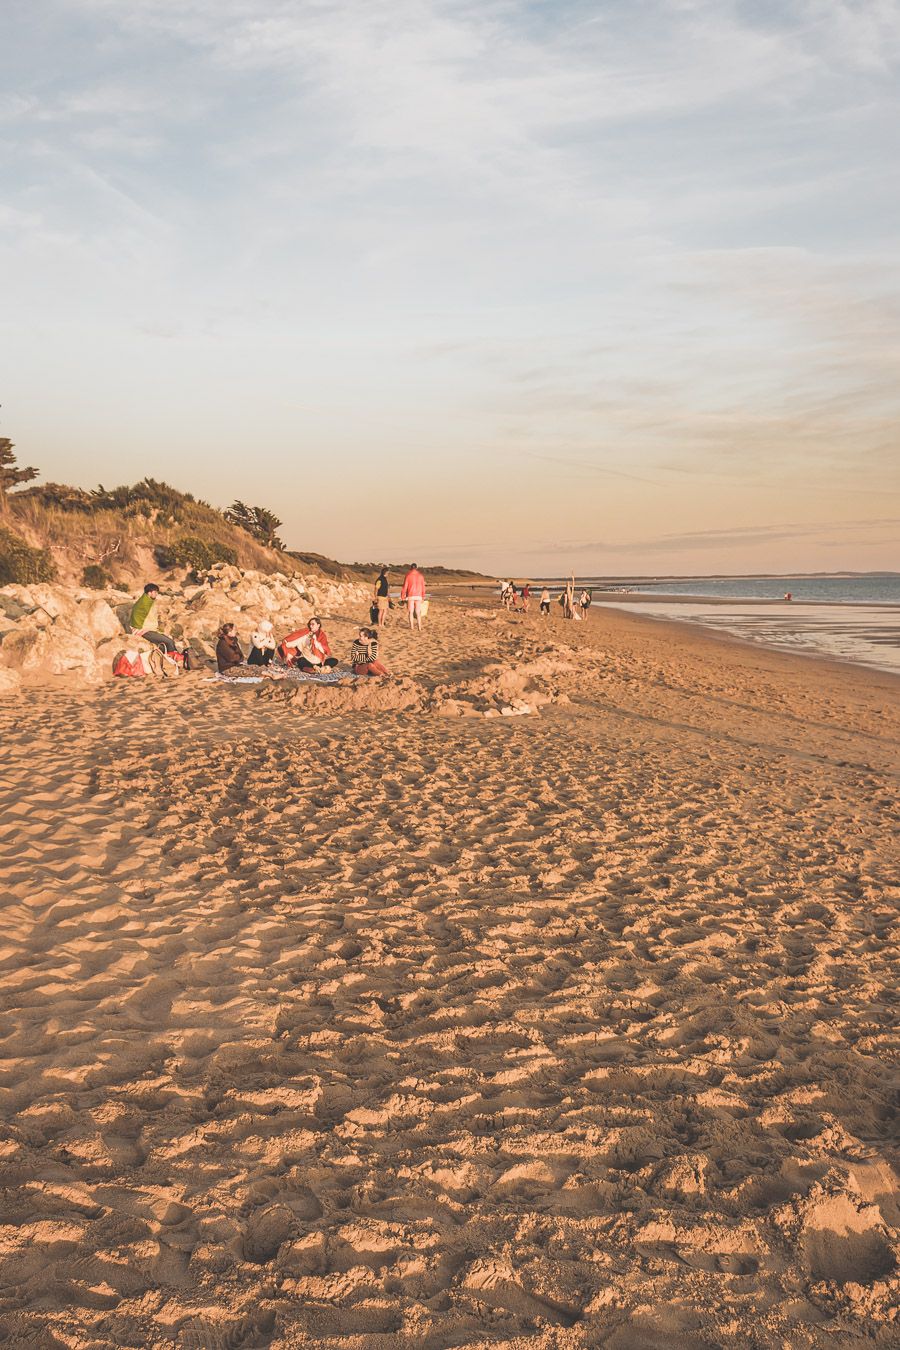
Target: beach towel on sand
(290, 676)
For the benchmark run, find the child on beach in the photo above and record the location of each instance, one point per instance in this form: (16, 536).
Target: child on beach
(364, 654)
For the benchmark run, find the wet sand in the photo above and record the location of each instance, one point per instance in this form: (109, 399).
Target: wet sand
(378, 1027)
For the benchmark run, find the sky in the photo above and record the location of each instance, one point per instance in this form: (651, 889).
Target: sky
(504, 284)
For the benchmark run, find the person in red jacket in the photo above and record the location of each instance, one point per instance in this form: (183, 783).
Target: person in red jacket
(413, 592)
(307, 648)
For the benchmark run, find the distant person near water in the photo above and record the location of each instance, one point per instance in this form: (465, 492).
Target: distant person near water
(413, 592)
(144, 614)
(307, 648)
(228, 650)
(545, 602)
(382, 596)
(584, 601)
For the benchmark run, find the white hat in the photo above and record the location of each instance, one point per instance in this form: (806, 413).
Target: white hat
(265, 626)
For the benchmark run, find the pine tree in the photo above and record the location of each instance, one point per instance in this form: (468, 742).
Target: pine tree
(261, 523)
(11, 475)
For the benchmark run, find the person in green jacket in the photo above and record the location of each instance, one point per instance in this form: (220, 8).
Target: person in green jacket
(142, 616)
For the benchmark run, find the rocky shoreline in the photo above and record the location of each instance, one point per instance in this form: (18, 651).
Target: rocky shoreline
(49, 630)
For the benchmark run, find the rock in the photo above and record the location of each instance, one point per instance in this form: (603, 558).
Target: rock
(99, 619)
(52, 650)
(82, 631)
(10, 681)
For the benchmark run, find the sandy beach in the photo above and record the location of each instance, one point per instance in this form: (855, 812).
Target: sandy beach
(364, 1025)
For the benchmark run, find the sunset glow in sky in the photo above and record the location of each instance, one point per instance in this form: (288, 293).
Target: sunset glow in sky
(513, 285)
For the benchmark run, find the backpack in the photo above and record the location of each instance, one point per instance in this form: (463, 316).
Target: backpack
(128, 663)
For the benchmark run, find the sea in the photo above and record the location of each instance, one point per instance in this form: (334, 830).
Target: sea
(853, 619)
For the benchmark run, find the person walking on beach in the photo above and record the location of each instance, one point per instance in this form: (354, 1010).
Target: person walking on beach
(584, 601)
(545, 603)
(382, 596)
(143, 616)
(413, 592)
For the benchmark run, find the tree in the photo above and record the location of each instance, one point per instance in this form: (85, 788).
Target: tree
(258, 521)
(10, 473)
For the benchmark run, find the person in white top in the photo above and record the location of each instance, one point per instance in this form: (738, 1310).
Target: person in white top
(262, 644)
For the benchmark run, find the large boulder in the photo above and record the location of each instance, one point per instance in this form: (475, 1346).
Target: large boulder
(52, 650)
(99, 619)
(53, 601)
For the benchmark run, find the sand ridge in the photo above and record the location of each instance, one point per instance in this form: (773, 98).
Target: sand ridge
(389, 1029)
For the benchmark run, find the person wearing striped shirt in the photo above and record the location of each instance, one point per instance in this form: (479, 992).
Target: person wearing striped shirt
(364, 654)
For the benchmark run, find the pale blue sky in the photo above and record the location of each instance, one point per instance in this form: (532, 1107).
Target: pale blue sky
(509, 285)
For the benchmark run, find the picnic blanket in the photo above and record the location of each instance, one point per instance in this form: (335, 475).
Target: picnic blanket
(286, 676)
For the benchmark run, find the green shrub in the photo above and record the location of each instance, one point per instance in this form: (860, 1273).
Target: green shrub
(20, 564)
(60, 495)
(165, 557)
(197, 554)
(95, 577)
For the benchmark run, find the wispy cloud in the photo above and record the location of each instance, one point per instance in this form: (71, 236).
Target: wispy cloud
(649, 247)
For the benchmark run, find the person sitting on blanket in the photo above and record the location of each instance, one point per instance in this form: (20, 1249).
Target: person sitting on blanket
(228, 650)
(262, 644)
(307, 648)
(364, 654)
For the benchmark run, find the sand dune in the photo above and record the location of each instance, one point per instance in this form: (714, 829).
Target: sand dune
(369, 1026)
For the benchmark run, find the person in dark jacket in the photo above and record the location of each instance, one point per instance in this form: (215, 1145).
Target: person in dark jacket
(228, 650)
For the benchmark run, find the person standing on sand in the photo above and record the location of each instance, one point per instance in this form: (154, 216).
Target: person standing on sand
(545, 603)
(382, 596)
(413, 592)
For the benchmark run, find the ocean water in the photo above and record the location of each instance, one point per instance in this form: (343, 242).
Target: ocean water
(854, 619)
(880, 589)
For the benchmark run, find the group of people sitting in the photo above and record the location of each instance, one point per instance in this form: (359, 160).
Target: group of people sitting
(306, 649)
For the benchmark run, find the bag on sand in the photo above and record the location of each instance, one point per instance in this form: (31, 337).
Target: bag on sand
(129, 663)
(158, 663)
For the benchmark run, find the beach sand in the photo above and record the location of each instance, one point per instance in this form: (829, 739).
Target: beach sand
(331, 1025)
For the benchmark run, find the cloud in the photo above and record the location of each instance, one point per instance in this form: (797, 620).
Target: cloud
(649, 244)
(740, 536)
